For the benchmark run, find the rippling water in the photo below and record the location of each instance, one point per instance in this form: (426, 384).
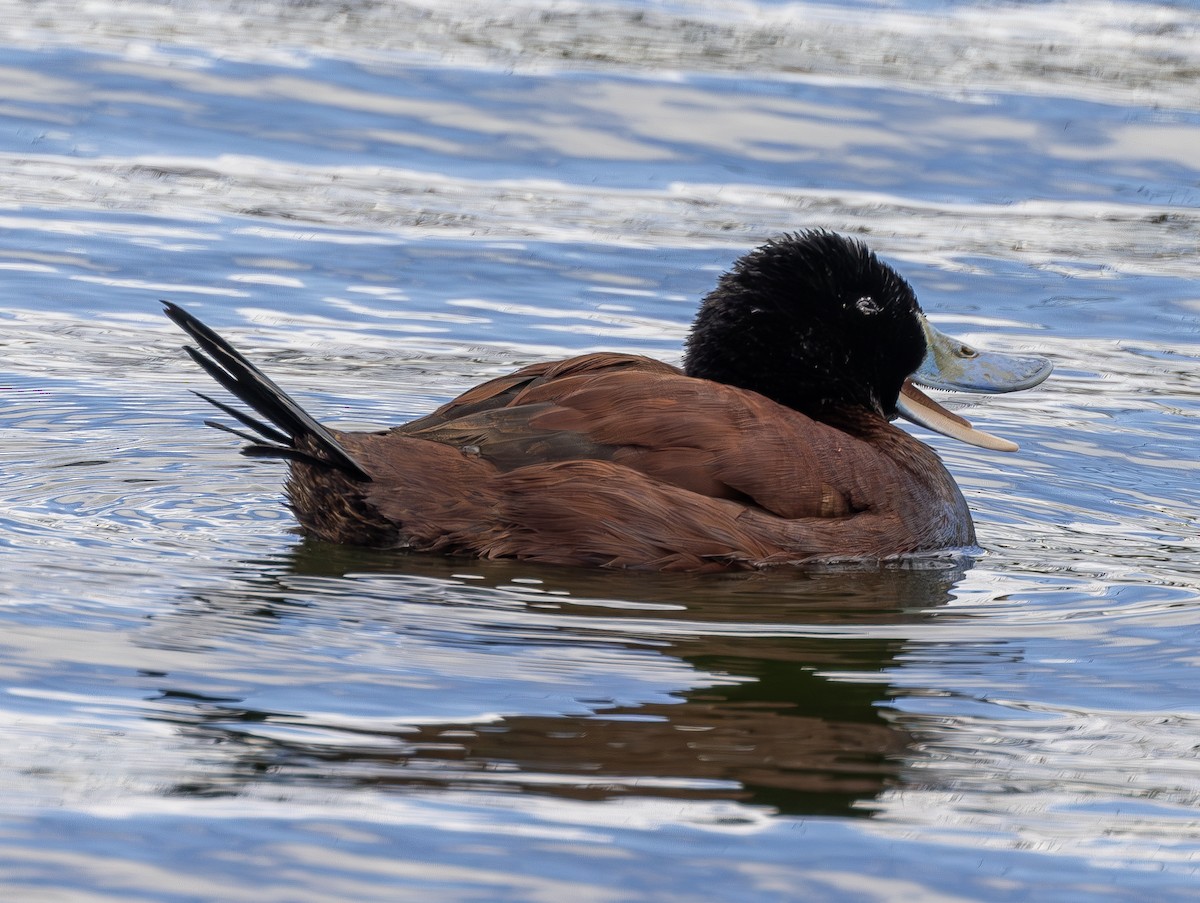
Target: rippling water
(386, 203)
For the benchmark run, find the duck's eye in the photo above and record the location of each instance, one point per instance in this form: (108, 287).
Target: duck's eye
(866, 305)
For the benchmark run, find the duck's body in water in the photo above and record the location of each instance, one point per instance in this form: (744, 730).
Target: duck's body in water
(773, 445)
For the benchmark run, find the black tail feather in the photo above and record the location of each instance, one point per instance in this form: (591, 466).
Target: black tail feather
(259, 449)
(234, 431)
(264, 430)
(288, 422)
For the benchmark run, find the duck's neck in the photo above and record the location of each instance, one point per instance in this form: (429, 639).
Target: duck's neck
(899, 445)
(861, 422)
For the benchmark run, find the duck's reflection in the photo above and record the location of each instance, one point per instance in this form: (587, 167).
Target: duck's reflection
(798, 728)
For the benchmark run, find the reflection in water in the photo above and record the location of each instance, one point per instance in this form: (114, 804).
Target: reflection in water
(794, 722)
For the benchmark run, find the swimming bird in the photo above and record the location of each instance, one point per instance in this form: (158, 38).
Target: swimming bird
(772, 445)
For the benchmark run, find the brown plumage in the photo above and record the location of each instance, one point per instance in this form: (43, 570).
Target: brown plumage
(618, 460)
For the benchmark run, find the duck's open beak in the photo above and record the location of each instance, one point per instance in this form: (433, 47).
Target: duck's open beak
(955, 365)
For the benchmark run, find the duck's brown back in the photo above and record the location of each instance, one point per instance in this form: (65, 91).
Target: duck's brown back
(620, 460)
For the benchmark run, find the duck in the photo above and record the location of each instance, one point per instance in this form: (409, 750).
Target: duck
(772, 445)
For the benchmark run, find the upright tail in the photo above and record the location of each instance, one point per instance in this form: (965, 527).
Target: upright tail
(290, 433)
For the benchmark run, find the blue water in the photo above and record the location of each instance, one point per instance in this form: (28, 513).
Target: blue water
(386, 204)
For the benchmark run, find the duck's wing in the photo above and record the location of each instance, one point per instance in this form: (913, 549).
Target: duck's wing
(714, 440)
(513, 421)
(509, 390)
(720, 442)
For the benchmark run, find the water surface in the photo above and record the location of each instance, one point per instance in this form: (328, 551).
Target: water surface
(385, 204)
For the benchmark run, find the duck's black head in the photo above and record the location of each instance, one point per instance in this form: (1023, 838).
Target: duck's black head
(814, 321)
